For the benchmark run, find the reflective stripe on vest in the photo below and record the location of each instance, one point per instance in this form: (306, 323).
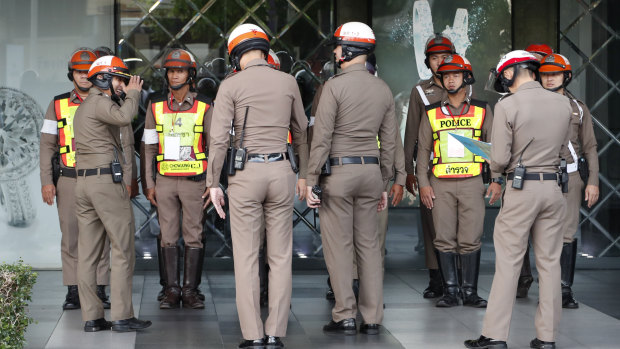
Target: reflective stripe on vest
(188, 126)
(65, 110)
(468, 125)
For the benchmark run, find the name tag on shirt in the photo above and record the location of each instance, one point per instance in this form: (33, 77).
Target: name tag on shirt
(172, 147)
(456, 149)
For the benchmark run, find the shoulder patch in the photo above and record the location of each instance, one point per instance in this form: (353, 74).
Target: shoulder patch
(433, 106)
(478, 103)
(63, 96)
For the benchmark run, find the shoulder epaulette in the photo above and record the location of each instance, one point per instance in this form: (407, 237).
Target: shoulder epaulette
(504, 97)
(433, 106)
(63, 96)
(478, 103)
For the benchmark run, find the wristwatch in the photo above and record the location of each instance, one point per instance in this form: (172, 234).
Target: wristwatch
(498, 180)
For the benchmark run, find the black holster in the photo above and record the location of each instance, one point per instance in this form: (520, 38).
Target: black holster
(154, 166)
(291, 157)
(326, 170)
(230, 161)
(55, 167)
(584, 169)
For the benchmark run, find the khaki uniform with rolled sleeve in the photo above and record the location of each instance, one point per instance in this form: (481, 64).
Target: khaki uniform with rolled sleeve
(176, 194)
(103, 208)
(423, 94)
(583, 141)
(65, 201)
(354, 108)
(261, 188)
(458, 211)
(544, 116)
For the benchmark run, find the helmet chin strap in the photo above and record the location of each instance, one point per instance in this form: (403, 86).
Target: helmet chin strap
(82, 89)
(178, 87)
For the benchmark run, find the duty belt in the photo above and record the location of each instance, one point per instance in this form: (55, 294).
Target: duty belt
(536, 176)
(267, 157)
(93, 171)
(67, 172)
(348, 160)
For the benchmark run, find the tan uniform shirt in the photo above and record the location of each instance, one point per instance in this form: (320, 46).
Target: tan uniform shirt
(50, 145)
(97, 125)
(416, 112)
(355, 106)
(530, 113)
(275, 106)
(425, 138)
(582, 138)
(400, 175)
(151, 138)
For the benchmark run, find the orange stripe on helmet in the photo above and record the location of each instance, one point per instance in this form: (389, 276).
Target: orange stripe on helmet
(352, 38)
(254, 34)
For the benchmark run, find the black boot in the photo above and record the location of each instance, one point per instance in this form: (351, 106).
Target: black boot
(435, 285)
(451, 293)
(346, 326)
(263, 277)
(329, 295)
(470, 264)
(525, 279)
(191, 278)
(485, 343)
(104, 297)
(356, 289)
(162, 273)
(567, 262)
(200, 266)
(72, 300)
(172, 294)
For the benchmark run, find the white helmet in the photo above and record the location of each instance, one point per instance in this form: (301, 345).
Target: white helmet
(514, 58)
(244, 38)
(356, 39)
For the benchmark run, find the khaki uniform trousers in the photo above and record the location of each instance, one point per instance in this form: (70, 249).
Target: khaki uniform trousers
(573, 205)
(65, 202)
(103, 209)
(349, 227)
(262, 189)
(458, 214)
(180, 198)
(539, 206)
(428, 231)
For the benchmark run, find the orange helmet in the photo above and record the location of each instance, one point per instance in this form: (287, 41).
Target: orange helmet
(244, 38)
(181, 59)
(107, 66)
(438, 44)
(540, 50)
(456, 63)
(355, 38)
(273, 60)
(555, 63)
(103, 51)
(80, 60)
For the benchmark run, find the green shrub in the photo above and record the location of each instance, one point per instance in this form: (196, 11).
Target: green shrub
(16, 282)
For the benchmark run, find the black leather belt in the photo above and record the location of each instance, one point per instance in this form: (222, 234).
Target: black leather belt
(348, 160)
(68, 172)
(93, 171)
(267, 157)
(536, 176)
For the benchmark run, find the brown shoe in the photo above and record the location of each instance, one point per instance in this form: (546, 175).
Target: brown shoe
(191, 278)
(172, 293)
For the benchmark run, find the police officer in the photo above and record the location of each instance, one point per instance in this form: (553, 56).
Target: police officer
(175, 138)
(582, 158)
(530, 129)
(424, 94)
(102, 200)
(354, 108)
(57, 147)
(455, 191)
(262, 104)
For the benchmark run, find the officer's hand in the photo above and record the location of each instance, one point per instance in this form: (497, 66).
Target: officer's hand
(411, 183)
(217, 197)
(300, 189)
(382, 202)
(591, 195)
(310, 200)
(135, 190)
(135, 83)
(48, 192)
(207, 197)
(495, 190)
(396, 193)
(150, 195)
(427, 195)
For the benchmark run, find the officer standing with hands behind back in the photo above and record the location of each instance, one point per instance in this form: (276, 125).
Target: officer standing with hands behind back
(262, 104)
(102, 200)
(354, 108)
(530, 131)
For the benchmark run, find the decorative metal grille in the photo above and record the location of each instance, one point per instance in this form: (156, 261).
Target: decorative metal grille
(589, 38)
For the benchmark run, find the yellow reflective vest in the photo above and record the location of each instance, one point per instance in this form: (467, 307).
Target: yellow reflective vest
(456, 162)
(65, 110)
(187, 127)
